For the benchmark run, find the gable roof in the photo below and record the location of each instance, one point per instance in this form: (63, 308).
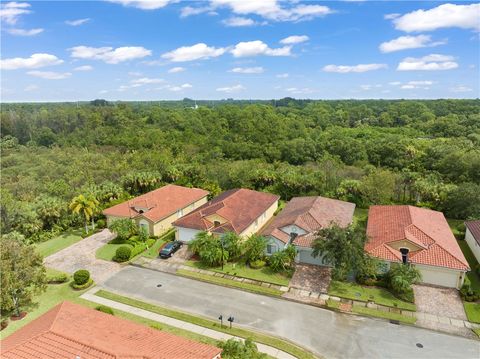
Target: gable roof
(426, 228)
(474, 228)
(240, 208)
(70, 330)
(160, 203)
(311, 214)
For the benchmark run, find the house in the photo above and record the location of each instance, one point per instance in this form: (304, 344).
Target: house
(241, 211)
(301, 218)
(419, 236)
(73, 331)
(472, 237)
(156, 210)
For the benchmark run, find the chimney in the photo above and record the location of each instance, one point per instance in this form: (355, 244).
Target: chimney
(404, 252)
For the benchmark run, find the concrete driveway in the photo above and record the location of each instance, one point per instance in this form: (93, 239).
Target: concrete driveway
(327, 333)
(81, 255)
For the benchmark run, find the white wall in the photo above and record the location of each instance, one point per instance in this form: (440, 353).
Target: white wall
(304, 255)
(185, 234)
(293, 229)
(276, 243)
(441, 276)
(473, 244)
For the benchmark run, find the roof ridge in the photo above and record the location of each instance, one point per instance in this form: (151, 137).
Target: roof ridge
(447, 253)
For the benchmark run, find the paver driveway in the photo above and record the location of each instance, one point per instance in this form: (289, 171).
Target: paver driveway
(311, 278)
(443, 302)
(81, 255)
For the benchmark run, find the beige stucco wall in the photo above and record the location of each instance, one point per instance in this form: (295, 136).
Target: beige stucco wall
(412, 247)
(474, 246)
(254, 228)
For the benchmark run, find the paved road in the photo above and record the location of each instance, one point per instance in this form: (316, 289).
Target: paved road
(330, 334)
(81, 255)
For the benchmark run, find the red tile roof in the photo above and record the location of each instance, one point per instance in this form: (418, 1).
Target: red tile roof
(71, 330)
(425, 228)
(240, 208)
(474, 228)
(161, 202)
(310, 214)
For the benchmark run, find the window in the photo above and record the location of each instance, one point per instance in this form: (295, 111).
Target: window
(271, 248)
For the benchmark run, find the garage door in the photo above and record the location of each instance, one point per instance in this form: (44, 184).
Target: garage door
(186, 234)
(305, 256)
(444, 278)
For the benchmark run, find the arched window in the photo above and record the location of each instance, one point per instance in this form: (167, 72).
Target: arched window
(216, 223)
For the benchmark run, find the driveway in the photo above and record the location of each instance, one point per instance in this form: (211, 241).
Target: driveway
(81, 255)
(442, 302)
(327, 333)
(311, 278)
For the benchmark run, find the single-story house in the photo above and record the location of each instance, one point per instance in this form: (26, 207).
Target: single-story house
(472, 237)
(241, 211)
(70, 330)
(156, 210)
(299, 221)
(420, 236)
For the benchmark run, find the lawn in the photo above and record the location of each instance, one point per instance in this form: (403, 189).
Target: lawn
(281, 344)
(230, 283)
(240, 269)
(58, 243)
(386, 315)
(153, 251)
(473, 311)
(458, 227)
(472, 261)
(107, 252)
(378, 295)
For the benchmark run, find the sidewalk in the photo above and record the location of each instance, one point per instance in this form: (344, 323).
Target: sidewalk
(90, 296)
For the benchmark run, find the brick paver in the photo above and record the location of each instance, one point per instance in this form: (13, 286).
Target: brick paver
(311, 278)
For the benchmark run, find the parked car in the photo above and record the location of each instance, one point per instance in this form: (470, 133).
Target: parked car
(170, 248)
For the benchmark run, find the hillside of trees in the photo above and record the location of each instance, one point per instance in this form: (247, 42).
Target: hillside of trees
(425, 153)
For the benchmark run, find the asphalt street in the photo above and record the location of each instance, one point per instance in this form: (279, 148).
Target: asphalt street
(327, 333)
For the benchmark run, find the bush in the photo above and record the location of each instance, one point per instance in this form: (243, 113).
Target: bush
(467, 292)
(101, 223)
(283, 260)
(139, 248)
(82, 286)
(255, 247)
(407, 296)
(81, 276)
(3, 324)
(400, 278)
(122, 254)
(237, 349)
(151, 242)
(57, 278)
(104, 309)
(257, 264)
(477, 269)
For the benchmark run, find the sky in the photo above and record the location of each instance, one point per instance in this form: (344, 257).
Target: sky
(241, 49)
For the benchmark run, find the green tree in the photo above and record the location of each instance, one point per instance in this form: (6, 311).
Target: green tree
(283, 260)
(50, 211)
(124, 228)
(378, 187)
(255, 247)
(400, 277)
(342, 248)
(84, 206)
(23, 275)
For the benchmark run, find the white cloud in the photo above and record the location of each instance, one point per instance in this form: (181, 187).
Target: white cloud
(198, 51)
(177, 69)
(283, 76)
(409, 42)
(83, 68)
(299, 91)
(355, 68)
(147, 80)
(10, 12)
(50, 75)
(394, 83)
(460, 88)
(257, 47)
(144, 4)
(272, 10)
(30, 88)
(370, 87)
(23, 32)
(179, 88)
(231, 89)
(35, 61)
(295, 39)
(109, 54)
(239, 22)
(443, 16)
(425, 85)
(134, 73)
(77, 22)
(189, 11)
(248, 70)
(431, 62)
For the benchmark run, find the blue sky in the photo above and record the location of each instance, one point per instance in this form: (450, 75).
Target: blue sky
(161, 49)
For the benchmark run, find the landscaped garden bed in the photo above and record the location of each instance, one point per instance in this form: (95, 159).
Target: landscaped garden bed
(153, 251)
(381, 314)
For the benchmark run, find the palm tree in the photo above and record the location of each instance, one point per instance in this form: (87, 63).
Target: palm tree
(86, 207)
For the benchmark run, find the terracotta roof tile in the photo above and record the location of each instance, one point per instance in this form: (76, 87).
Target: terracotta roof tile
(425, 228)
(161, 202)
(474, 228)
(310, 214)
(239, 207)
(70, 330)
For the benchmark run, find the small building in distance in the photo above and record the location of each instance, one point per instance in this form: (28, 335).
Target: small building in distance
(472, 237)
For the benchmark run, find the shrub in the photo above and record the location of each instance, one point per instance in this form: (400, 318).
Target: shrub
(139, 248)
(82, 286)
(467, 292)
(283, 260)
(3, 324)
(101, 223)
(477, 269)
(57, 278)
(257, 264)
(255, 247)
(81, 276)
(237, 349)
(122, 254)
(400, 278)
(151, 242)
(104, 309)
(407, 296)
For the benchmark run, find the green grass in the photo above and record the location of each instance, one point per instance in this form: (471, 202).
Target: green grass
(473, 311)
(107, 252)
(357, 292)
(58, 243)
(360, 217)
(458, 227)
(281, 344)
(386, 315)
(230, 283)
(472, 261)
(477, 331)
(153, 251)
(240, 269)
(333, 304)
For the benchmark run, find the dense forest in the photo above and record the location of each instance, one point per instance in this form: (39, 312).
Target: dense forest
(425, 153)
